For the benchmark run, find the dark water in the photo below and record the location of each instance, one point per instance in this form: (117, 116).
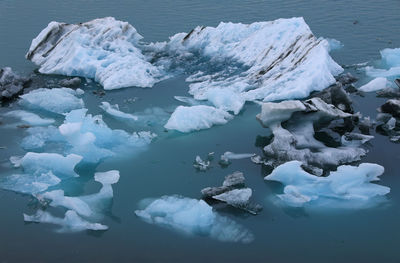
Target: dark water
(364, 27)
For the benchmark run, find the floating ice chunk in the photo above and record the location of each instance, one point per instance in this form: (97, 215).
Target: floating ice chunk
(29, 118)
(227, 156)
(105, 49)
(58, 100)
(348, 187)
(225, 99)
(88, 205)
(200, 164)
(39, 136)
(73, 82)
(235, 197)
(188, 100)
(194, 118)
(390, 62)
(91, 138)
(70, 223)
(29, 183)
(392, 107)
(374, 85)
(59, 165)
(192, 216)
(355, 139)
(113, 110)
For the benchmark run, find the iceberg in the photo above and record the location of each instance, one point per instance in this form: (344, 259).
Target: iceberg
(106, 50)
(29, 118)
(194, 217)
(57, 100)
(227, 65)
(70, 223)
(114, 111)
(194, 118)
(348, 187)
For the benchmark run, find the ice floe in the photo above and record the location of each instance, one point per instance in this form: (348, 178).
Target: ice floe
(194, 118)
(192, 216)
(29, 118)
(389, 64)
(29, 183)
(347, 187)
(57, 100)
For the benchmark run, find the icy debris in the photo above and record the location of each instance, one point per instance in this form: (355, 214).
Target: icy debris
(104, 49)
(296, 139)
(72, 82)
(114, 111)
(227, 156)
(57, 100)
(388, 93)
(189, 100)
(29, 118)
(375, 85)
(39, 136)
(233, 193)
(194, 118)
(42, 163)
(200, 164)
(29, 183)
(337, 96)
(70, 223)
(348, 187)
(355, 139)
(194, 217)
(89, 206)
(11, 85)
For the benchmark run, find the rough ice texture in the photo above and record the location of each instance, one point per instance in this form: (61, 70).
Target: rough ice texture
(348, 187)
(29, 118)
(374, 85)
(228, 64)
(192, 216)
(296, 139)
(227, 156)
(105, 49)
(194, 118)
(57, 100)
(390, 64)
(70, 223)
(114, 111)
(11, 84)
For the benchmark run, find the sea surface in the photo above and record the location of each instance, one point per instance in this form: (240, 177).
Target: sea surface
(166, 166)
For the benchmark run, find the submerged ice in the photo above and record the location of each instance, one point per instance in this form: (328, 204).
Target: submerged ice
(348, 187)
(192, 216)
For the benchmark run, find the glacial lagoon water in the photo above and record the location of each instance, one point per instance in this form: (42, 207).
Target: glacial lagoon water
(166, 166)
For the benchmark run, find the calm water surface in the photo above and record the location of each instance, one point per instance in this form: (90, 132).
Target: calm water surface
(364, 27)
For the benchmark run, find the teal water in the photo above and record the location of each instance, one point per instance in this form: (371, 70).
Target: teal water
(166, 168)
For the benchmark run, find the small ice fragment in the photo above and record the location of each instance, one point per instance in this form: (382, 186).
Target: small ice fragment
(29, 118)
(200, 164)
(113, 110)
(227, 156)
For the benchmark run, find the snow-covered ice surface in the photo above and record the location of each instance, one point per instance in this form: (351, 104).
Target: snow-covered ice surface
(194, 217)
(349, 187)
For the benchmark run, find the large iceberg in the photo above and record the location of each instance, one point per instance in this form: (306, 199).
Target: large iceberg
(348, 187)
(192, 216)
(105, 49)
(227, 65)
